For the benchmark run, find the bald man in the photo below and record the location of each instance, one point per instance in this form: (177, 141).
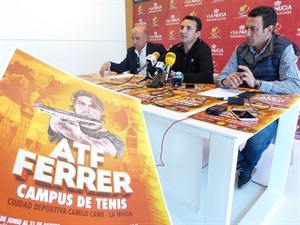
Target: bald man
(136, 55)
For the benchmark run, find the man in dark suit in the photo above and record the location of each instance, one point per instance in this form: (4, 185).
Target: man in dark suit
(136, 55)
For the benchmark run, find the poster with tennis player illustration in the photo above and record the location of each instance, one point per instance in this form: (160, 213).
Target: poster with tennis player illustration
(72, 152)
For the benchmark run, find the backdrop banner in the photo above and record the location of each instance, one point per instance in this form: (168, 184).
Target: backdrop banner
(223, 22)
(73, 152)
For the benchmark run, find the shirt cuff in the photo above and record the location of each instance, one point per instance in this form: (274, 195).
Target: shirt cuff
(219, 80)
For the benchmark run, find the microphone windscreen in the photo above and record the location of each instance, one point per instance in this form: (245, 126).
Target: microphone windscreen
(152, 58)
(156, 55)
(170, 59)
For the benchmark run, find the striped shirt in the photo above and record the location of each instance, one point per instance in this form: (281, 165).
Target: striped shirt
(289, 74)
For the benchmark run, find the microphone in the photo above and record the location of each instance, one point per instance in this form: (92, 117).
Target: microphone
(177, 79)
(169, 61)
(160, 66)
(158, 75)
(150, 59)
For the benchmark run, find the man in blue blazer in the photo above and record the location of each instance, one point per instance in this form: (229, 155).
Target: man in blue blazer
(136, 55)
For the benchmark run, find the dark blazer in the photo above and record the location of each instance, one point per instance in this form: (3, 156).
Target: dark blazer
(130, 62)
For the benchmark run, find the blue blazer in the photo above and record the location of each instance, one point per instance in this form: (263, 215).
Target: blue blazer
(130, 62)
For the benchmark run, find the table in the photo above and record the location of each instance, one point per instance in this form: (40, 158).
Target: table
(222, 164)
(183, 145)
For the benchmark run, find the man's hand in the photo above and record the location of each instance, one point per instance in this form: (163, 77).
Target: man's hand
(247, 76)
(67, 129)
(72, 131)
(235, 79)
(105, 67)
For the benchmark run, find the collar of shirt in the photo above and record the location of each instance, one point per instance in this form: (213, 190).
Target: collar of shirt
(142, 58)
(194, 46)
(257, 54)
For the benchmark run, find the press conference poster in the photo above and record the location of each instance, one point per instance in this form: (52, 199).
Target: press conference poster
(72, 152)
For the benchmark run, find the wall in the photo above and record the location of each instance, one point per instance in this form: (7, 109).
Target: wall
(129, 21)
(76, 36)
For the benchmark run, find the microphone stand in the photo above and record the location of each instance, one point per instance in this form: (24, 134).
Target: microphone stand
(168, 72)
(148, 76)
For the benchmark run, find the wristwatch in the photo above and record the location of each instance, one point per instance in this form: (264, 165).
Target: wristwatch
(257, 84)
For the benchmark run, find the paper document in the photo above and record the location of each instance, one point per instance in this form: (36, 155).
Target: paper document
(221, 93)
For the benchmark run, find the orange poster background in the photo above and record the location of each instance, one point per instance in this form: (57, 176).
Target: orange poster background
(26, 81)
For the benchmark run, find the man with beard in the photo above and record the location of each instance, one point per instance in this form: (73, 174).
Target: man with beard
(88, 105)
(267, 62)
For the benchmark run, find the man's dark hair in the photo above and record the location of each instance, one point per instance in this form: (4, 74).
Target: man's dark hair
(196, 19)
(268, 14)
(95, 100)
